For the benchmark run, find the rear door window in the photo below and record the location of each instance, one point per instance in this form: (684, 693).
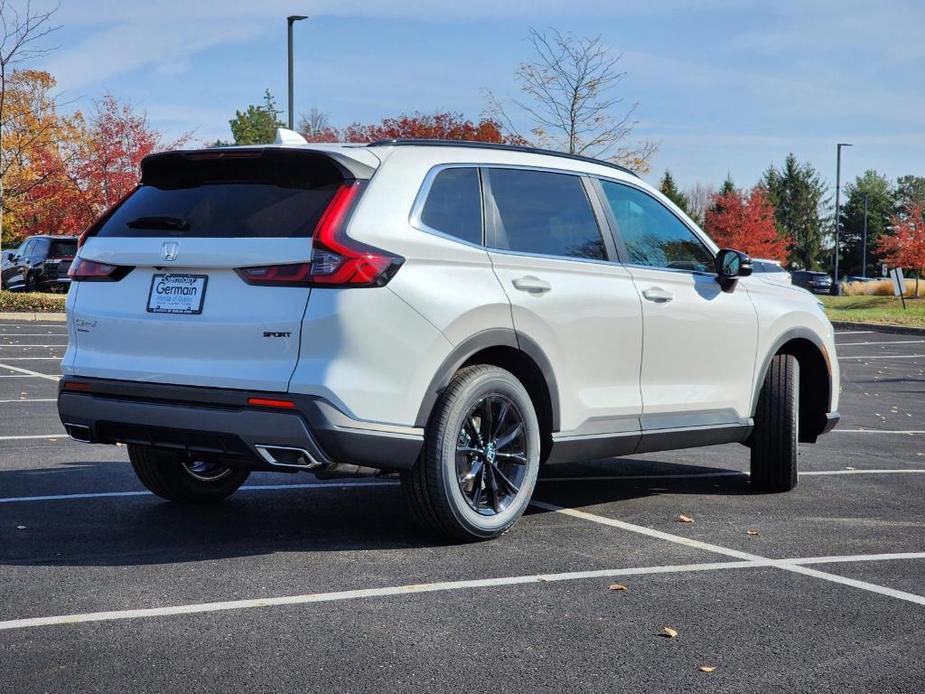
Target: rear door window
(272, 193)
(544, 213)
(454, 204)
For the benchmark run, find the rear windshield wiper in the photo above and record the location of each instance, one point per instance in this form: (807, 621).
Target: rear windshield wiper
(159, 222)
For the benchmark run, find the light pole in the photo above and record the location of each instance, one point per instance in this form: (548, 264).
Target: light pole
(864, 251)
(290, 20)
(838, 208)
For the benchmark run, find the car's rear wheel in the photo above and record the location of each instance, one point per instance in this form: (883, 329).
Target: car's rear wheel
(481, 457)
(777, 428)
(173, 477)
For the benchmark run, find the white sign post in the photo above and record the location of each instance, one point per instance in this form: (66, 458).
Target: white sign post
(899, 284)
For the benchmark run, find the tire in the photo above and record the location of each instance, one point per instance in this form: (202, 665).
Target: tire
(777, 424)
(170, 477)
(458, 493)
(29, 283)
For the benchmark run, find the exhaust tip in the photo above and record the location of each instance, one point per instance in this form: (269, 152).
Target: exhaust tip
(79, 432)
(284, 456)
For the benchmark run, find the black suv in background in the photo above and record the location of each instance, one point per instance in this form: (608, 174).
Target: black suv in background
(40, 263)
(816, 282)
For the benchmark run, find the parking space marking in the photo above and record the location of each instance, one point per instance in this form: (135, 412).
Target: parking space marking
(785, 565)
(885, 356)
(888, 342)
(34, 436)
(31, 358)
(246, 488)
(33, 345)
(28, 372)
(6, 402)
(797, 565)
(906, 432)
(724, 473)
(393, 483)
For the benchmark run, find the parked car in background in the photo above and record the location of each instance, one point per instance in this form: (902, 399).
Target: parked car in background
(857, 278)
(5, 257)
(770, 270)
(816, 282)
(40, 264)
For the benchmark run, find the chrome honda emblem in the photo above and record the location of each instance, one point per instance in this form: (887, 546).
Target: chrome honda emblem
(170, 250)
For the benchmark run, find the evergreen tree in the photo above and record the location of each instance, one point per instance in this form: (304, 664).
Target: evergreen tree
(880, 208)
(910, 191)
(257, 125)
(797, 192)
(716, 206)
(670, 191)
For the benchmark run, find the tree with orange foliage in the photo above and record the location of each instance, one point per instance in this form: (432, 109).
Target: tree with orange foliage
(745, 222)
(905, 246)
(437, 126)
(96, 163)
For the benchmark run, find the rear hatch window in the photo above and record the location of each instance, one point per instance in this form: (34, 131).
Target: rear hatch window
(238, 194)
(63, 249)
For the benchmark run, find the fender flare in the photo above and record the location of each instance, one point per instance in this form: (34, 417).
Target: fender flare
(495, 337)
(782, 339)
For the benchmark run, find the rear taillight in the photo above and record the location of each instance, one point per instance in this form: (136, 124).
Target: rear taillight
(83, 270)
(337, 260)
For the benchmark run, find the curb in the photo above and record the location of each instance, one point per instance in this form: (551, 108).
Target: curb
(882, 327)
(29, 316)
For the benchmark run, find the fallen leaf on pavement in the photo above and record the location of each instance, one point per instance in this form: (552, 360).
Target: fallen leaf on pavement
(707, 668)
(684, 519)
(616, 586)
(668, 632)
(751, 531)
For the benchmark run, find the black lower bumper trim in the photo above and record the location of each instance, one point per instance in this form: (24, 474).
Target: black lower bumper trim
(219, 422)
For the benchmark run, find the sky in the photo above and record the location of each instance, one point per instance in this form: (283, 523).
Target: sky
(726, 87)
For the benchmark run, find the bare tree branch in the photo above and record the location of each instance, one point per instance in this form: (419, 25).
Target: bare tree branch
(569, 94)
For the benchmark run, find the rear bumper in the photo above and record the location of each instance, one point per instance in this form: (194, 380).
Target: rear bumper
(219, 422)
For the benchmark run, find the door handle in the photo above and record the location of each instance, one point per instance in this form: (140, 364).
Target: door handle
(658, 295)
(531, 284)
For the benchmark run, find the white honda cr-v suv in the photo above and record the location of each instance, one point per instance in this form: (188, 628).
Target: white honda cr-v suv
(457, 312)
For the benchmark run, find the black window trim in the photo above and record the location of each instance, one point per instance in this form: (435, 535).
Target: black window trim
(618, 237)
(491, 216)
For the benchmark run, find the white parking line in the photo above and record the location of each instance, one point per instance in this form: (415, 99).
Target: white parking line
(6, 402)
(888, 342)
(416, 588)
(246, 488)
(785, 565)
(906, 432)
(31, 358)
(33, 345)
(886, 356)
(27, 372)
(34, 436)
(724, 473)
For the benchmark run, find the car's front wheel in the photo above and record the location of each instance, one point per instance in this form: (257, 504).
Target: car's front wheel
(481, 457)
(777, 428)
(173, 477)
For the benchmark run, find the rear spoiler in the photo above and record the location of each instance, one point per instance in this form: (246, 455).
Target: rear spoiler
(155, 166)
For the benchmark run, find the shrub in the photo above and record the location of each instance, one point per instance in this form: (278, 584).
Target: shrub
(879, 288)
(35, 302)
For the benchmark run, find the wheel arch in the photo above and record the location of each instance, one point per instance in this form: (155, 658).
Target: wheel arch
(815, 378)
(508, 350)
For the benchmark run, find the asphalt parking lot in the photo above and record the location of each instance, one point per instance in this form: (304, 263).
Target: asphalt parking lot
(295, 585)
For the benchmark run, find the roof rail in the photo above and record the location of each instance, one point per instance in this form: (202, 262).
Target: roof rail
(431, 142)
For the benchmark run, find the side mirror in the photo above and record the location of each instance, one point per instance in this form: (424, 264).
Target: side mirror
(730, 265)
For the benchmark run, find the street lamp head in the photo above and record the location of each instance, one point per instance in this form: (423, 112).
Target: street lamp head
(295, 18)
(845, 144)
